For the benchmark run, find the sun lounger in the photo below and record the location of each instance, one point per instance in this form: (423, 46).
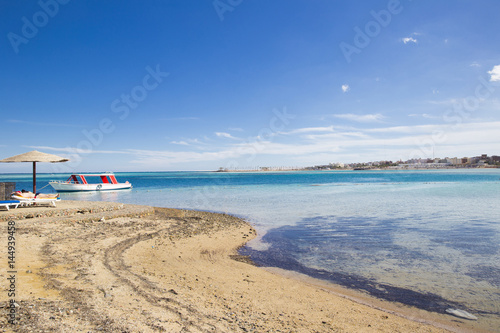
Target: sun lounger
(28, 198)
(7, 204)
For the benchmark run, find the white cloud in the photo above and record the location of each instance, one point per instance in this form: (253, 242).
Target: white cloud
(409, 141)
(73, 150)
(194, 143)
(361, 118)
(309, 130)
(407, 40)
(495, 74)
(226, 135)
(475, 64)
(223, 135)
(345, 88)
(424, 115)
(410, 129)
(337, 136)
(344, 145)
(323, 145)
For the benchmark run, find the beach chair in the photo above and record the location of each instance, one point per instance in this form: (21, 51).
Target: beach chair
(8, 203)
(28, 198)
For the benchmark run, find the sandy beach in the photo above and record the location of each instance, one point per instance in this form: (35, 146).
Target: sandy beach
(109, 267)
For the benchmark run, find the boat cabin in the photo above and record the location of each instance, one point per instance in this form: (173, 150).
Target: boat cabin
(80, 179)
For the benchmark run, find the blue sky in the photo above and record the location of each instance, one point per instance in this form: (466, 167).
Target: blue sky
(198, 85)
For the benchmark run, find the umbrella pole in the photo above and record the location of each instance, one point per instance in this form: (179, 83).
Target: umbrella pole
(34, 177)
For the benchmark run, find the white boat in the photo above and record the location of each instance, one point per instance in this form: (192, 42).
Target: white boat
(78, 182)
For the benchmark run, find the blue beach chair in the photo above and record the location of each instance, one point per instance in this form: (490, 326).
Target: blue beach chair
(8, 203)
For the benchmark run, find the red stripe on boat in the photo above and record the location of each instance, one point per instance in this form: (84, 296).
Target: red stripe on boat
(113, 179)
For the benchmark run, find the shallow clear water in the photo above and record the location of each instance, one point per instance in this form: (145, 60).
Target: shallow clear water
(426, 238)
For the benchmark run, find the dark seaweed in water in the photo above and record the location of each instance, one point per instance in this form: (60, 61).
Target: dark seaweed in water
(469, 239)
(486, 273)
(287, 240)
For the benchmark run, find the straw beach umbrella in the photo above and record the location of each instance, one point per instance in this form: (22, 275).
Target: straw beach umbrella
(35, 156)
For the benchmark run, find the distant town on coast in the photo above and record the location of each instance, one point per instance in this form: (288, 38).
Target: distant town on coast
(482, 161)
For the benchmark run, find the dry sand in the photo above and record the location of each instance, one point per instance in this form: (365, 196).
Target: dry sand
(88, 267)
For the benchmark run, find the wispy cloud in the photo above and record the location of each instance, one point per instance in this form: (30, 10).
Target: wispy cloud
(485, 104)
(366, 118)
(226, 135)
(409, 129)
(188, 142)
(407, 40)
(424, 115)
(345, 88)
(475, 64)
(337, 136)
(73, 150)
(403, 142)
(182, 143)
(309, 130)
(312, 144)
(495, 74)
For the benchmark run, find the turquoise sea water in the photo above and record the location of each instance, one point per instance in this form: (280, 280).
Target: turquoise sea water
(429, 239)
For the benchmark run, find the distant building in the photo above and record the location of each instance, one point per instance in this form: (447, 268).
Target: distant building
(337, 165)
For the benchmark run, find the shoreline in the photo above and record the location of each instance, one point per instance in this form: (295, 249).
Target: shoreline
(111, 267)
(361, 169)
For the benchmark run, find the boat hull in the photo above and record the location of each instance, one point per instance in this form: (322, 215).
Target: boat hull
(69, 187)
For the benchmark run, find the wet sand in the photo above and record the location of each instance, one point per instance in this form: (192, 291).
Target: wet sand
(99, 266)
